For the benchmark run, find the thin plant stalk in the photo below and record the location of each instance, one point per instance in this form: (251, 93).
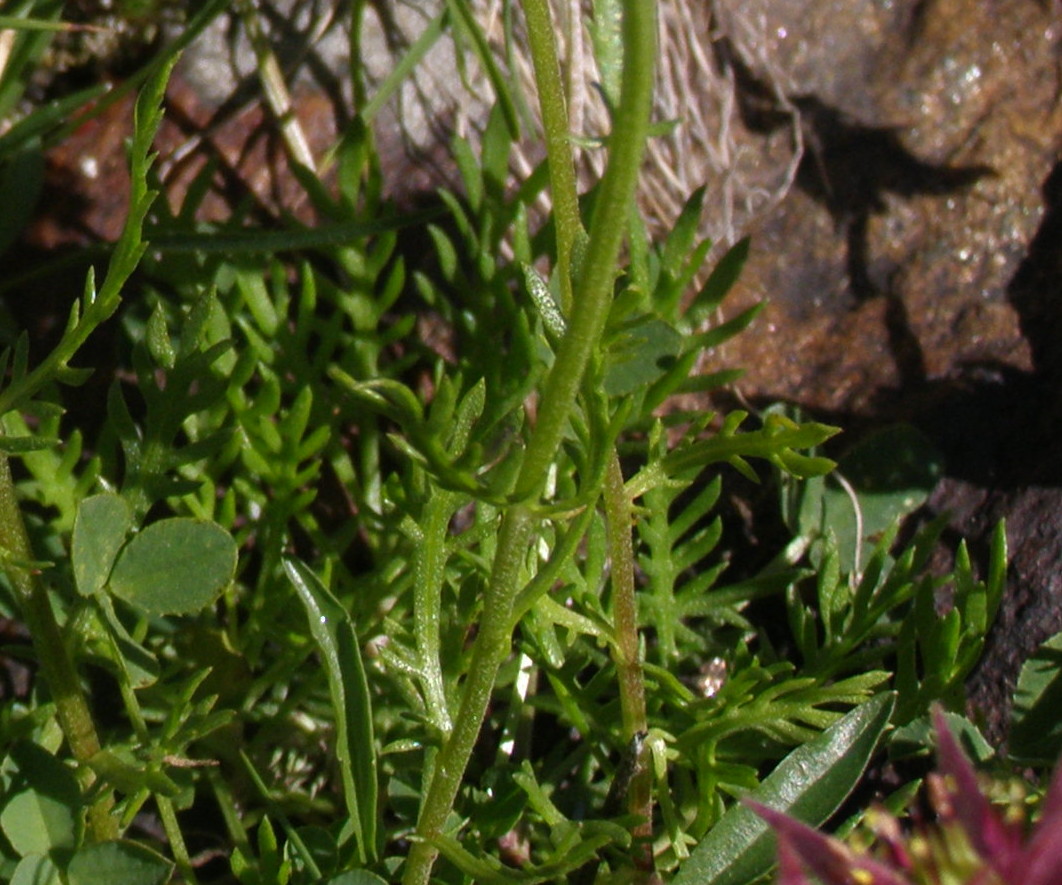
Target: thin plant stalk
(593, 292)
(490, 650)
(172, 827)
(167, 814)
(591, 301)
(626, 650)
(57, 668)
(553, 107)
(542, 44)
(275, 90)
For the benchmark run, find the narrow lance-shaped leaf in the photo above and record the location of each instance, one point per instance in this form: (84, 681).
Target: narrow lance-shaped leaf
(810, 783)
(337, 644)
(969, 841)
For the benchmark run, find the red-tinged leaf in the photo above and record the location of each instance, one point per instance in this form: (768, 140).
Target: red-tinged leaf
(997, 844)
(827, 858)
(1043, 864)
(790, 870)
(1051, 811)
(890, 836)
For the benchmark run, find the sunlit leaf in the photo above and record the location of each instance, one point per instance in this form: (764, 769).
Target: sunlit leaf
(810, 784)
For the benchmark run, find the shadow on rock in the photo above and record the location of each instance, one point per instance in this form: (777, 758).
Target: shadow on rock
(998, 429)
(848, 167)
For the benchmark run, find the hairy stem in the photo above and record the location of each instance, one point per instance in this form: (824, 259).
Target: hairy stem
(626, 651)
(491, 648)
(57, 668)
(593, 292)
(592, 298)
(554, 110)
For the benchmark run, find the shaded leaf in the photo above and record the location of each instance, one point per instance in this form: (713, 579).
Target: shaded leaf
(337, 644)
(1036, 730)
(118, 863)
(41, 811)
(36, 869)
(722, 277)
(356, 877)
(640, 355)
(891, 472)
(175, 566)
(100, 528)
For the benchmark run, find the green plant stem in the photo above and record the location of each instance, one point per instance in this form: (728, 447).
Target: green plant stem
(543, 46)
(491, 648)
(429, 571)
(626, 650)
(590, 311)
(57, 668)
(593, 291)
(176, 838)
(275, 89)
(166, 811)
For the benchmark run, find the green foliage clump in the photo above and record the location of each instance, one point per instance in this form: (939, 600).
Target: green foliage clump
(395, 611)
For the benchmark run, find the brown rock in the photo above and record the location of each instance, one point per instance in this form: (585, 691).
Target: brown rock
(913, 271)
